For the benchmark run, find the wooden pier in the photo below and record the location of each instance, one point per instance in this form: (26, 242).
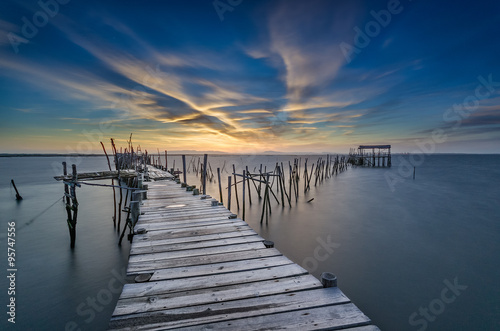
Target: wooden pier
(198, 267)
(371, 156)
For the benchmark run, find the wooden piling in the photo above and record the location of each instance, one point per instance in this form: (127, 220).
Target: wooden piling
(229, 192)
(183, 166)
(18, 196)
(205, 156)
(220, 185)
(236, 188)
(328, 279)
(74, 207)
(112, 183)
(244, 181)
(248, 185)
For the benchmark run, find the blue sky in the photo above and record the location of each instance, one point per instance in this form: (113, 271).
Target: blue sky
(250, 76)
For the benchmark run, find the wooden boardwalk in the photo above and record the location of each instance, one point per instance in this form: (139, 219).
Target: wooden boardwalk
(210, 272)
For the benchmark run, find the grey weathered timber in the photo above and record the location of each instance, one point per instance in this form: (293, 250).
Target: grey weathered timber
(201, 270)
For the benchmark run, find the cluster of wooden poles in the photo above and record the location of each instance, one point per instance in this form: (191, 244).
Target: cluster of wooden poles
(268, 185)
(273, 183)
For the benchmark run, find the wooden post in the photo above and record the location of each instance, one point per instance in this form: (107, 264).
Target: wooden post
(205, 156)
(260, 183)
(328, 279)
(68, 202)
(112, 183)
(18, 196)
(74, 207)
(220, 185)
(244, 181)
(183, 166)
(236, 188)
(248, 185)
(229, 192)
(281, 188)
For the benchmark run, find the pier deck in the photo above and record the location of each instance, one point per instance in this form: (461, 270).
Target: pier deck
(210, 272)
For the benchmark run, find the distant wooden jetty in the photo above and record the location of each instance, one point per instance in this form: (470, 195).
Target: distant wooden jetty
(198, 267)
(371, 156)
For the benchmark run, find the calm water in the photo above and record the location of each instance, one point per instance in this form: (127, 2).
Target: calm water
(423, 255)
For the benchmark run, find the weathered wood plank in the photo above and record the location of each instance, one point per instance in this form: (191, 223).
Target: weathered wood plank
(219, 268)
(150, 266)
(190, 216)
(220, 294)
(195, 252)
(230, 310)
(322, 318)
(167, 241)
(195, 245)
(155, 229)
(204, 282)
(185, 221)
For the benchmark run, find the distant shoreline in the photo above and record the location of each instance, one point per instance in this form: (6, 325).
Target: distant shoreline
(217, 154)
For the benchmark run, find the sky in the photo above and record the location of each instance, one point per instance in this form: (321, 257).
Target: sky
(241, 76)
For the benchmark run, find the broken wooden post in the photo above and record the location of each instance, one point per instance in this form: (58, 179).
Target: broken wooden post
(220, 185)
(236, 188)
(243, 216)
(183, 167)
(18, 196)
(113, 184)
(74, 207)
(229, 192)
(268, 243)
(248, 185)
(205, 156)
(67, 195)
(328, 279)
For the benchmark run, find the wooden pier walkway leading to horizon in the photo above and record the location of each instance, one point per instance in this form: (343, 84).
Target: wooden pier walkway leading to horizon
(202, 270)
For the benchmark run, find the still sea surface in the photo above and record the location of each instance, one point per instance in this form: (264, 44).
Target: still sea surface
(412, 254)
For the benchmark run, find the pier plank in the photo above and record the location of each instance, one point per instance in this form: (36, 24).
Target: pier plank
(150, 266)
(202, 282)
(195, 252)
(149, 243)
(157, 229)
(219, 268)
(321, 318)
(230, 310)
(195, 245)
(126, 306)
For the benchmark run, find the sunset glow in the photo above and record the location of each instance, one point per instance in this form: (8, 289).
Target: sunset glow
(284, 76)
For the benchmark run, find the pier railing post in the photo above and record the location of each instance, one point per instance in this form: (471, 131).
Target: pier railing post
(229, 193)
(205, 156)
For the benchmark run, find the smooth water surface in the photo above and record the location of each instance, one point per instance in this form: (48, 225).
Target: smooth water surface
(395, 249)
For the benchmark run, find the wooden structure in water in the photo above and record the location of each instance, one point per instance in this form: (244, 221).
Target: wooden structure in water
(199, 267)
(371, 156)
